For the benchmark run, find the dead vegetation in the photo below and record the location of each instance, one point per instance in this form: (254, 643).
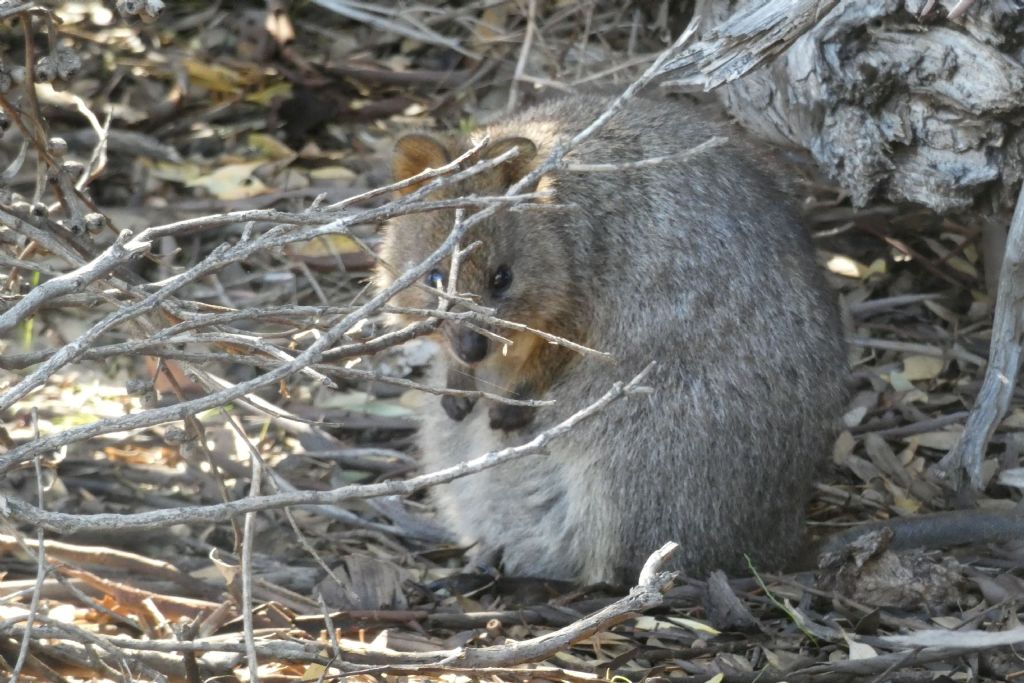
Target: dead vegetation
(205, 426)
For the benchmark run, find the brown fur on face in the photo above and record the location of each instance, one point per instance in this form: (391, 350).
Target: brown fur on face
(542, 284)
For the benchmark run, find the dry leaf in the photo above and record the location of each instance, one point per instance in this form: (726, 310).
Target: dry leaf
(859, 650)
(326, 245)
(922, 367)
(216, 77)
(270, 147)
(939, 440)
(175, 173)
(900, 382)
(694, 625)
(847, 267)
(333, 173)
(233, 181)
(264, 96)
(843, 447)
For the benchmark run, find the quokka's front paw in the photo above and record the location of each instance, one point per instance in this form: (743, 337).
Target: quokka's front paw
(457, 407)
(508, 417)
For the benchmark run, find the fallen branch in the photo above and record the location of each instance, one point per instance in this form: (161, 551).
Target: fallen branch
(967, 456)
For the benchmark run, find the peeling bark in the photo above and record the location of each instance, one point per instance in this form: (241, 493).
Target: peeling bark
(890, 103)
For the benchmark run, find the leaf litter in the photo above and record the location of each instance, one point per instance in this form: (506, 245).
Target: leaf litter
(217, 118)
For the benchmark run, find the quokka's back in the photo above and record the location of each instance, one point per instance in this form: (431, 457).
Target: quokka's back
(698, 262)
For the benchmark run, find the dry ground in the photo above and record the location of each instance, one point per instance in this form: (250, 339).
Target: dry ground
(233, 109)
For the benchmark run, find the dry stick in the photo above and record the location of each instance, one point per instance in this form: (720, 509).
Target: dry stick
(259, 405)
(872, 306)
(6, 12)
(852, 669)
(561, 149)
(217, 259)
(317, 215)
(960, 9)
(912, 428)
(1004, 363)
(275, 239)
(103, 556)
(146, 237)
(247, 543)
(42, 237)
(41, 567)
(22, 264)
(254, 342)
(278, 356)
(956, 352)
(476, 314)
(647, 594)
(169, 335)
(710, 143)
(524, 53)
(98, 158)
(76, 348)
(63, 631)
(80, 345)
(75, 281)
(20, 511)
(423, 35)
(279, 483)
(433, 178)
(367, 375)
(534, 673)
(207, 379)
(38, 136)
(332, 634)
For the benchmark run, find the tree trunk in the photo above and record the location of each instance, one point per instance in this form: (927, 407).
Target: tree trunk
(894, 99)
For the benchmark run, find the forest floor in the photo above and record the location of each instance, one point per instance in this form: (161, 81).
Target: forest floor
(231, 108)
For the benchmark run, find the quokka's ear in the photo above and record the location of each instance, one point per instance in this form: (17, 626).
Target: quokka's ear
(517, 167)
(415, 153)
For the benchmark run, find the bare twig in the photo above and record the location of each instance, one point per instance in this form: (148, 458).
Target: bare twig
(402, 28)
(524, 54)
(67, 523)
(75, 281)
(247, 549)
(225, 254)
(708, 144)
(993, 400)
(41, 571)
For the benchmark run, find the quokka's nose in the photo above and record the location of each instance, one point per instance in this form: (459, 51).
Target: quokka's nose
(469, 346)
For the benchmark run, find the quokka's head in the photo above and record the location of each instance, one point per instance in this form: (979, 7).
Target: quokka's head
(517, 265)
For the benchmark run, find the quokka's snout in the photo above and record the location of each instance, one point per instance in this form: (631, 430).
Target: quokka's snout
(466, 344)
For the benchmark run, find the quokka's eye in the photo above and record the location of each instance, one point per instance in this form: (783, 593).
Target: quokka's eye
(501, 279)
(435, 279)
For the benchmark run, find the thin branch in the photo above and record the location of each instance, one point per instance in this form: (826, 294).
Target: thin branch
(75, 281)
(22, 512)
(1005, 351)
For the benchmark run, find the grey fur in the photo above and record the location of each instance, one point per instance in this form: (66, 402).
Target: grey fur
(701, 265)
